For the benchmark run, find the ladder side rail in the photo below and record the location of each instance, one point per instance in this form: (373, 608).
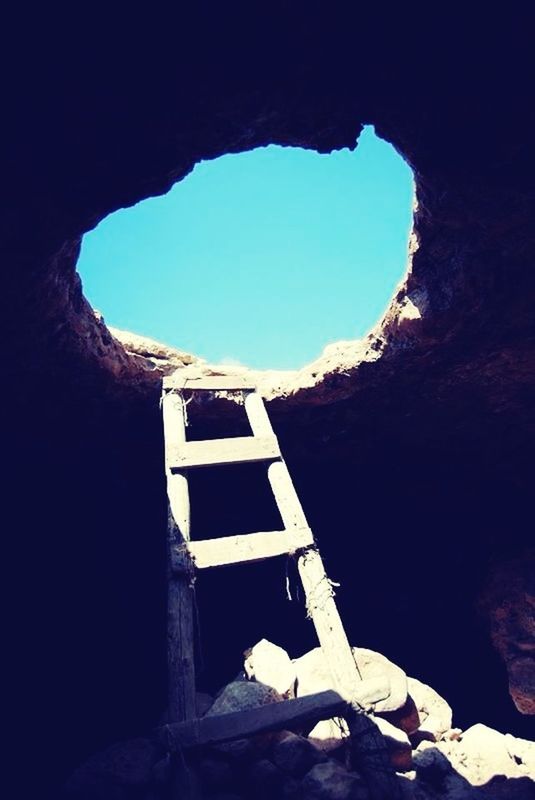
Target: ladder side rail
(180, 597)
(321, 606)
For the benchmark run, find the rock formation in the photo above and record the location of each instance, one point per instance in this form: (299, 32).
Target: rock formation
(450, 764)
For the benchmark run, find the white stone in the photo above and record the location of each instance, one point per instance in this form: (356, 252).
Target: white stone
(485, 755)
(271, 665)
(434, 712)
(313, 675)
(524, 752)
(329, 734)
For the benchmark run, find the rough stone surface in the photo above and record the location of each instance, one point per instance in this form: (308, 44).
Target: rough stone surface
(407, 718)
(330, 781)
(481, 758)
(271, 665)
(204, 702)
(265, 779)
(294, 755)
(435, 715)
(329, 734)
(508, 600)
(214, 773)
(398, 745)
(241, 695)
(313, 675)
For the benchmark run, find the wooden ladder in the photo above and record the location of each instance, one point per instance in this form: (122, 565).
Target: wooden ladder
(350, 693)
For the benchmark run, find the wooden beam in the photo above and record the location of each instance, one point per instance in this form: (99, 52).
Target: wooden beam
(322, 609)
(180, 598)
(214, 452)
(213, 383)
(318, 589)
(244, 548)
(285, 715)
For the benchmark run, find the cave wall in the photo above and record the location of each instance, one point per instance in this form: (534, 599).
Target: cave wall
(417, 462)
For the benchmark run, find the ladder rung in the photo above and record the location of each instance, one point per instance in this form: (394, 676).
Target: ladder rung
(214, 383)
(213, 452)
(247, 547)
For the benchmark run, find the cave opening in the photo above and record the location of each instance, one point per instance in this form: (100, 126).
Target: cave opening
(258, 258)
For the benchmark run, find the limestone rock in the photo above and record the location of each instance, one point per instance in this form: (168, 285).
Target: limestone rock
(313, 675)
(485, 755)
(294, 754)
(523, 752)
(434, 712)
(329, 734)
(111, 773)
(479, 764)
(398, 745)
(271, 665)
(330, 781)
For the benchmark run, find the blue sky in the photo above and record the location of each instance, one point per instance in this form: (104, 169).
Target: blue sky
(262, 257)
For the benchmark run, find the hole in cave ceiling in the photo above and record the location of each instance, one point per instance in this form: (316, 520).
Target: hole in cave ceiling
(260, 258)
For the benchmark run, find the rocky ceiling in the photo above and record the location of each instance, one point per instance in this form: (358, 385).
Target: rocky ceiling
(412, 450)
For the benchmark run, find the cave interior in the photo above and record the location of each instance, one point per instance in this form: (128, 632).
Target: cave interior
(414, 464)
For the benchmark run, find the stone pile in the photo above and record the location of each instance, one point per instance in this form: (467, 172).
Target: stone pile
(432, 759)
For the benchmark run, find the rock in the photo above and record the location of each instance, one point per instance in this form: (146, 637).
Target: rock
(313, 675)
(266, 779)
(508, 602)
(523, 752)
(330, 781)
(294, 754)
(329, 734)
(431, 764)
(434, 712)
(214, 773)
(480, 764)
(484, 755)
(109, 775)
(203, 702)
(398, 745)
(239, 696)
(271, 665)
(406, 718)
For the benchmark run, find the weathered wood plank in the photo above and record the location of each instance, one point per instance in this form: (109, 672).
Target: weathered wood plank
(214, 452)
(318, 589)
(247, 547)
(214, 383)
(180, 598)
(322, 609)
(287, 714)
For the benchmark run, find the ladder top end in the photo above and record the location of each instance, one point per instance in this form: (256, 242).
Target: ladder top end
(214, 383)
